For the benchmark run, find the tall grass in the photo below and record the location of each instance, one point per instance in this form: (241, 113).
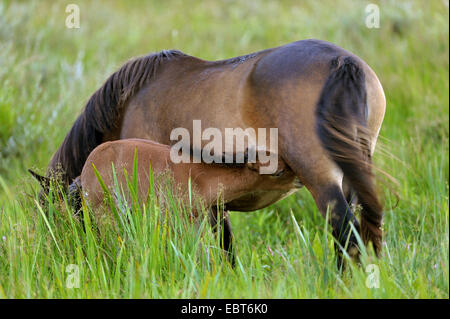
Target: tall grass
(48, 72)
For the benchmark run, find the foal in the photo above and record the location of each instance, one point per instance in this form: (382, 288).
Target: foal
(208, 181)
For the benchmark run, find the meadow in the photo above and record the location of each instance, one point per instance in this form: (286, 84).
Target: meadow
(48, 72)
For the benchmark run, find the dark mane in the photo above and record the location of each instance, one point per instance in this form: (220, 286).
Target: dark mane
(102, 111)
(239, 59)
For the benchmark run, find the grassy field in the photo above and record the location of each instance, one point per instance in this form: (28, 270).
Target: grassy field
(47, 73)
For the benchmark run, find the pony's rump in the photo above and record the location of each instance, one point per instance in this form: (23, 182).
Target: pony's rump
(342, 128)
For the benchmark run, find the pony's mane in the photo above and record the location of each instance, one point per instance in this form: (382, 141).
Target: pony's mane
(102, 111)
(238, 59)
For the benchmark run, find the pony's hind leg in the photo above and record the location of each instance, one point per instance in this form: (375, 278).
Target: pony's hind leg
(331, 199)
(349, 193)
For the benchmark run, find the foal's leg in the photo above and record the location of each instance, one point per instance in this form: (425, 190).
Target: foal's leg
(226, 236)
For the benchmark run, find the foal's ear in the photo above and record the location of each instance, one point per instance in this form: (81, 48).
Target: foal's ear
(44, 181)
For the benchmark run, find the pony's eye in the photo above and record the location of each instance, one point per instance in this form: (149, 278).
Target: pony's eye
(278, 173)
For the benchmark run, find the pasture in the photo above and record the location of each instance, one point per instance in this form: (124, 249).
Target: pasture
(48, 72)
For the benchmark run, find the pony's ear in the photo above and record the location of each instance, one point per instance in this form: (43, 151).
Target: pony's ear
(44, 181)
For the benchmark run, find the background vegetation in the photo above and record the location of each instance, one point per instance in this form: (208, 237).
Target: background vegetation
(47, 73)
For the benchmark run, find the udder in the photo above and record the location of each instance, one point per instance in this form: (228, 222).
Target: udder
(271, 189)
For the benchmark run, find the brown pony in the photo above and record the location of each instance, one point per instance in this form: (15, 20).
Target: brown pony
(327, 104)
(211, 183)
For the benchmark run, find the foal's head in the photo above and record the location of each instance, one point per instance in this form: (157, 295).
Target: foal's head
(279, 178)
(257, 190)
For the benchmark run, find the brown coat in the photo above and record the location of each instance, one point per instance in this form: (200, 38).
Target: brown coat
(207, 180)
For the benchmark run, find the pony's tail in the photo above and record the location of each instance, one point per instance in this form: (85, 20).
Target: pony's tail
(342, 128)
(102, 113)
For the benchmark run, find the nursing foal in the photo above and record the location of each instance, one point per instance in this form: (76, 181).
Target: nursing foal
(212, 183)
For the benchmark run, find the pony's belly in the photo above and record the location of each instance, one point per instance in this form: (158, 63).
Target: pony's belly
(257, 200)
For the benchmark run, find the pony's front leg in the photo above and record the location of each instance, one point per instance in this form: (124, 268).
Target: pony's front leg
(216, 220)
